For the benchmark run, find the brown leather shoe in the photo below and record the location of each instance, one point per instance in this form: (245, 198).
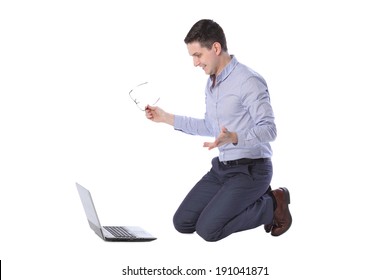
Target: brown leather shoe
(282, 215)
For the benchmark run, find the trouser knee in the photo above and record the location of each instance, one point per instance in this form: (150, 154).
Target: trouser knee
(207, 233)
(181, 225)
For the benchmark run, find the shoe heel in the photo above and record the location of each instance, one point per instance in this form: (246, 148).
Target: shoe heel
(286, 195)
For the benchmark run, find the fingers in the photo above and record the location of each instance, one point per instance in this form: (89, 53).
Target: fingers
(150, 112)
(212, 145)
(150, 108)
(209, 145)
(155, 114)
(225, 137)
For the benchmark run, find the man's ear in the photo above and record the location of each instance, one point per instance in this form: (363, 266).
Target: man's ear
(217, 48)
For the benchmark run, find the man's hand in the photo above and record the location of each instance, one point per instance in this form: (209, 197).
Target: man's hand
(225, 137)
(157, 114)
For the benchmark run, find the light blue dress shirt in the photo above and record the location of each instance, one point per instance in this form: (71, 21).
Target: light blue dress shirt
(239, 101)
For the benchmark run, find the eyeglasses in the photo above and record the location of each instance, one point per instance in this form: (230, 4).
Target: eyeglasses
(142, 98)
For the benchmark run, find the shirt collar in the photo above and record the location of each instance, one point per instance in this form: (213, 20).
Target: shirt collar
(226, 71)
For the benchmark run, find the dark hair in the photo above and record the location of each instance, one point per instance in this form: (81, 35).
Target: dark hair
(206, 32)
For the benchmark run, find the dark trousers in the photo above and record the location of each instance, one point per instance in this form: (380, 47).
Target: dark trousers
(227, 199)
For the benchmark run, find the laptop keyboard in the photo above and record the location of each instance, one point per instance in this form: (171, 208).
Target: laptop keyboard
(119, 232)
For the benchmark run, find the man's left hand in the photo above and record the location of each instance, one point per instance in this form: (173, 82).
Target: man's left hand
(225, 137)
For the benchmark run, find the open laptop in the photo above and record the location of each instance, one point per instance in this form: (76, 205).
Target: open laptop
(110, 233)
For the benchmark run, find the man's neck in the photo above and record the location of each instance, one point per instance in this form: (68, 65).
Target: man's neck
(225, 60)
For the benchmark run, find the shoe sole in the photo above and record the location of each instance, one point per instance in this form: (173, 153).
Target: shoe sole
(286, 194)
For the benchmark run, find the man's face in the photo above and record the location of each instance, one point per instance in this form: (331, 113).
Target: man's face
(203, 57)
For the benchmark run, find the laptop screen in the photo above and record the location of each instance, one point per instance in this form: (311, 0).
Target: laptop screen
(89, 209)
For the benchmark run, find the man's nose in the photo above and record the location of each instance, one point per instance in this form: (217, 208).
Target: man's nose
(196, 62)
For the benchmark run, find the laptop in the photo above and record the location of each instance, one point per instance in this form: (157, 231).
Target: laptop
(110, 233)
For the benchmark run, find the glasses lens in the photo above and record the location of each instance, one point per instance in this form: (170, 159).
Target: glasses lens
(144, 94)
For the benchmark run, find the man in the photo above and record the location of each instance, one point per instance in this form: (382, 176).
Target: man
(235, 195)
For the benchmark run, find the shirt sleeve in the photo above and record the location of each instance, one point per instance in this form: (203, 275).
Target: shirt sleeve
(192, 126)
(256, 100)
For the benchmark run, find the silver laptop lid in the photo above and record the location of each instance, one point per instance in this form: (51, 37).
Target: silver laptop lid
(90, 211)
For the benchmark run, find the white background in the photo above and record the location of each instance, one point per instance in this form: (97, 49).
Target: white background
(65, 115)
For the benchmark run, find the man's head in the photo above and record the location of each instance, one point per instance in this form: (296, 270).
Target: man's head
(206, 32)
(206, 43)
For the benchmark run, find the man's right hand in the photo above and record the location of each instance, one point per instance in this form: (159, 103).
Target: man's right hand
(157, 114)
